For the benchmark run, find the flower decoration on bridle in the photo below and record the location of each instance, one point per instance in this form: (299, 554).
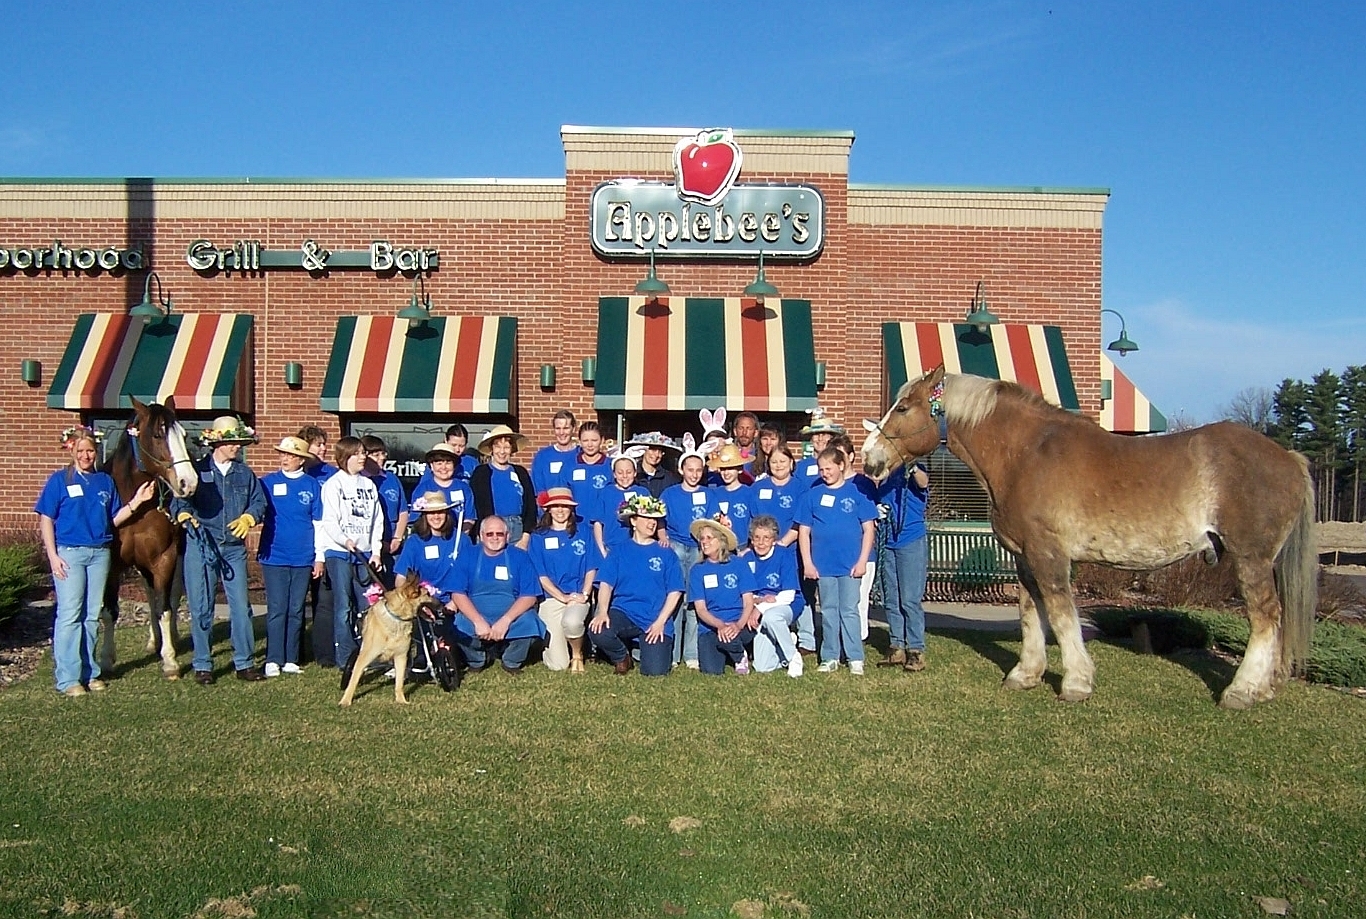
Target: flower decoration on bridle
(79, 432)
(937, 400)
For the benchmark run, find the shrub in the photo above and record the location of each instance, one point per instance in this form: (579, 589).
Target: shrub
(18, 576)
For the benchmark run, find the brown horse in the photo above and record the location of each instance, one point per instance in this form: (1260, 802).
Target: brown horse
(153, 448)
(1063, 490)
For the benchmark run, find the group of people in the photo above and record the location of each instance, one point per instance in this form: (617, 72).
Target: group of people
(655, 553)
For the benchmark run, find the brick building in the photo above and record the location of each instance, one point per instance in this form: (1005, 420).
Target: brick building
(286, 296)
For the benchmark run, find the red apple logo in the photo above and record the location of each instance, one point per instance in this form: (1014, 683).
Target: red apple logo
(706, 165)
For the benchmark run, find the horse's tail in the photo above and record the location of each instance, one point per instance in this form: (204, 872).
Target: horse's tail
(1297, 581)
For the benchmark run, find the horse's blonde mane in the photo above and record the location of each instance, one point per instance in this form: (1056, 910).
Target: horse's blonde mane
(968, 399)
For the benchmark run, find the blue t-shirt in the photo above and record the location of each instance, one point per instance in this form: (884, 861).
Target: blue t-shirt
(738, 505)
(777, 573)
(457, 493)
(587, 480)
(866, 486)
(433, 560)
(722, 586)
(641, 578)
(392, 497)
(321, 471)
(292, 504)
(906, 519)
(82, 509)
(493, 583)
(778, 501)
(563, 559)
(836, 517)
(807, 471)
(550, 467)
(683, 508)
(614, 531)
(507, 492)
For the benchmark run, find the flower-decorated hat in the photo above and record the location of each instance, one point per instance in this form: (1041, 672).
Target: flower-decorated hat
(442, 450)
(726, 456)
(79, 432)
(821, 424)
(556, 497)
(655, 439)
(430, 502)
(227, 429)
(642, 506)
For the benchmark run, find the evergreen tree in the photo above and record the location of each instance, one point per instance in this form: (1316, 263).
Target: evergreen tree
(1291, 414)
(1323, 442)
(1354, 430)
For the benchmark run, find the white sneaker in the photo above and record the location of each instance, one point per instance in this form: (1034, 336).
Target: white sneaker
(291, 668)
(828, 667)
(693, 665)
(794, 666)
(272, 670)
(856, 668)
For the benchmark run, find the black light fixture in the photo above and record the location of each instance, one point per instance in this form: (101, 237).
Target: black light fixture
(759, 288)
(979, 315)
(652, 287)
(150, 309)
(1123, 344)
(418, 309)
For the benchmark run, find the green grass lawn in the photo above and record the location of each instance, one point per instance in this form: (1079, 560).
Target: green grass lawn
(932, 794)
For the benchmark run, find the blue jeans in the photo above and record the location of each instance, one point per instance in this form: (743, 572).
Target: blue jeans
(202, 575)
(685, 620)
(79, 598)
(286, 592)
(479, 653)
(713, 652)
(615, 641)
(348, 603)
(773, 646)
(839, 618)
(905, 570)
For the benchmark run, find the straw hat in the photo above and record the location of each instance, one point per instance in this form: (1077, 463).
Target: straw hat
(821, 424)
(519, 441)
(556, 497)
(723, 532)
(430, 502)
(442, 450)
(294, 446)
(642, 506)
(726, 456)
(227, 429)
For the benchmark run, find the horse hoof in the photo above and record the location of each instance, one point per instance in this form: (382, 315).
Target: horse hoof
(1074, 695)
(1236, 701)
(171, 674)
(1016, 681)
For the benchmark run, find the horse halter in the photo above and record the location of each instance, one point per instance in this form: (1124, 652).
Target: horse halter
(937, 416)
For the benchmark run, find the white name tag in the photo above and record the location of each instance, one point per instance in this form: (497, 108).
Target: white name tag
(580, 475)
(279, 488)
(556, 466)
(74, 491)
(500, 573)
(699, 497)
(765, 494)
(812, 470)
(431, 551)
(552, 542)
(709, 580)
(206, 477)
(724, 505)
(827, 500)
(751, 566)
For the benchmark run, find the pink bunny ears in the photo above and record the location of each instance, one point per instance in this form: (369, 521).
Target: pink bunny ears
(713, 422)
(692, 448)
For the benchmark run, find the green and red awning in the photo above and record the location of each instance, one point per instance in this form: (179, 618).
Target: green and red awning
(677, 354)
(447, 364)
(203, 359)
(1032, 355)
(1126, 410)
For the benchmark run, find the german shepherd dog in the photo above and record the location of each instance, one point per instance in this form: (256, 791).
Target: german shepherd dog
(386, 634)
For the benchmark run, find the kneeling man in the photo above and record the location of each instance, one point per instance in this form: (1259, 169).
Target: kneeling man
(494, 591)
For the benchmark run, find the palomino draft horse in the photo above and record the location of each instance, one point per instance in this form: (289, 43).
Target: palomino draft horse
(153, 448)
(1063, 490)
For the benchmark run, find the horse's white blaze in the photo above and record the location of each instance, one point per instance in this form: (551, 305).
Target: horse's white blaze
(876, 459)
(181, 465)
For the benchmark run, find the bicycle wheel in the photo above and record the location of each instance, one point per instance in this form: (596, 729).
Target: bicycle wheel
(445, 669)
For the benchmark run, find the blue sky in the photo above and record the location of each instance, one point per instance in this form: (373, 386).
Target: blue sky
(1230, 134)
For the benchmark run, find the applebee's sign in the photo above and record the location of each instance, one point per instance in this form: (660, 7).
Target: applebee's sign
(704, 213)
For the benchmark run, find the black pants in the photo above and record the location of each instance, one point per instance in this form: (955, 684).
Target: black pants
(323, 641)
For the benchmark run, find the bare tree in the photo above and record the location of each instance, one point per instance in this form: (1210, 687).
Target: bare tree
(1254, 407)
(1181, 420)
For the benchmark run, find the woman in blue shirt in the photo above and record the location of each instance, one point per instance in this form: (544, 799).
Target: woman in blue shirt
(503, 487)
(734, 499)
(906, 493)
(566, 562)
(609, 529)
(78, 509)
(722, 589)
(293, 502)
(639, 585)
(777, 597)
(430, 553)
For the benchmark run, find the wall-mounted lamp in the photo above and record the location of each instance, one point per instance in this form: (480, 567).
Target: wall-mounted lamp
(417, 310)
(294, 374)
(150, 309)
(820, 374)
(589, 372)
(1123, 344)
(979, 315)
(1107, 390)
(652, 287)
(547, 376)
(31, 371)
(759, 288)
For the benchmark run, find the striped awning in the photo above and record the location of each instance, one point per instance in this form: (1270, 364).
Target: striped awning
(203, 359)
(446, 364)
(1126, 410)
(677, 354)
(1032, 355)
